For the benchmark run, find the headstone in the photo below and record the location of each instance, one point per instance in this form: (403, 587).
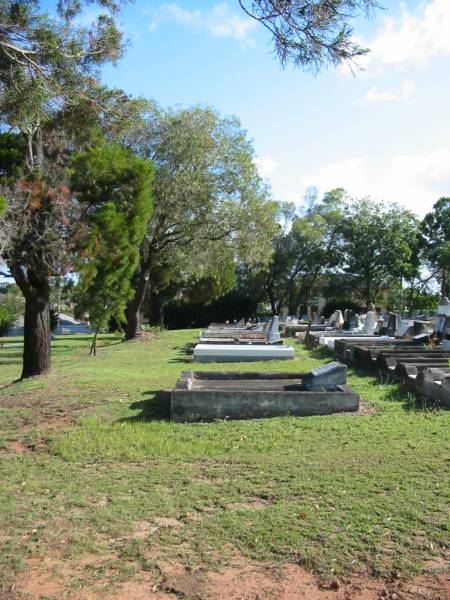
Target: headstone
(440, 324)
(274, 331)
(403, 327)
(392, 324)
(444, 307)
(339, 319)
(369, 323)
(378, 327)
(354, 321)
(333, 373)
(419, 327)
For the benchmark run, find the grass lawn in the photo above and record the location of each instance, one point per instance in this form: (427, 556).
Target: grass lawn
(91, 466)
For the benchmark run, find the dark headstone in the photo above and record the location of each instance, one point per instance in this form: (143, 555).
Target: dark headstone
(333, 374)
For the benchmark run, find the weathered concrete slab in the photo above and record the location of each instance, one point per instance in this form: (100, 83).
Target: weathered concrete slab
(242, 352)
(207, 396)
(435, 385)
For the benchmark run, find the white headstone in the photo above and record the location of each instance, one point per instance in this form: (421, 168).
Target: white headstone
(370, 322)
(274, 331)
(444, 307)
(403, 327)
(339, 319)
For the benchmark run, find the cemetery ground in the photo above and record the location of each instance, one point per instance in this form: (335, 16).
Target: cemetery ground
(101, 496)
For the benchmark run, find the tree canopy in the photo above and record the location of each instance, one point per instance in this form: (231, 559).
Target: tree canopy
(311, 34)
(208, 197)
(113, 188)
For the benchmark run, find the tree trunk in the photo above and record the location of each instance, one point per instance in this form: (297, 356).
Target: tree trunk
(36, 343)
(156, 310)
(444, 283)
(134, 306)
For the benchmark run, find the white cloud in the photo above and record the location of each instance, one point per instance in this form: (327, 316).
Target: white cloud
(413, 38)
(404, 93)
(266, 165)
(219, 21)
(414, 180)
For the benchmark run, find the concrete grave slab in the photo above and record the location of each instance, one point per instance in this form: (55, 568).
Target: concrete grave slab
(242, 352)
(207, 396)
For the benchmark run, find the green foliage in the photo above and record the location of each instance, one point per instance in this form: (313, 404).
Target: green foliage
(435, 229)
(379, 242)
(305, 250)
(312, 35)
(48, 60)
(233, 305)
(11, 306)
(207, 191)
(7, 319)
(113, 188)
(211, 207)
(12, 157)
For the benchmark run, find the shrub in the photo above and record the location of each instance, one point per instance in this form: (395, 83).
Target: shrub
(7, 319)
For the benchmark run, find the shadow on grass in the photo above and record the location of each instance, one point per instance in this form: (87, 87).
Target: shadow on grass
(154, 408)
(322, 352)
(185, 354)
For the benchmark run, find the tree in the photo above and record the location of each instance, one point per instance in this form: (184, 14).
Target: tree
(207, 196)
(379, 242)
(435, 242)
(113, 188)
(311, 33)
(46, 64)
(49, 61)
(308, 247)
(11, 306)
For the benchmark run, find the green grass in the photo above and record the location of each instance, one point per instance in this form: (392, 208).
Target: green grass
(101, 461)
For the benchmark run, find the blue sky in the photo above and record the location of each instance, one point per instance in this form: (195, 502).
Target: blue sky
(384, 132)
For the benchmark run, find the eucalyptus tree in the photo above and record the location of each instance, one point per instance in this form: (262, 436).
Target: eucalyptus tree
(207, 194)
(435, 242)
(311, 34)
(379, 244)
(306, 248)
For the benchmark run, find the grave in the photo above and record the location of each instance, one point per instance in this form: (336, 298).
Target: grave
(242, 352)
(243, 348)
(370, 323)
(255, 333)
(207, 396)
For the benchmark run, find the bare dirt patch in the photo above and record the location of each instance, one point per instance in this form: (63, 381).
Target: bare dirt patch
(242, 580)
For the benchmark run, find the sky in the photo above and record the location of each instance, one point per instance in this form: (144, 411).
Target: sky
(383, 131)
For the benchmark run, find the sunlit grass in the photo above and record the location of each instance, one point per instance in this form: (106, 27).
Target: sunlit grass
(335, 493)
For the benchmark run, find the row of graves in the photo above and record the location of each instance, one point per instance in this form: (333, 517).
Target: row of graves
(221, 394)
(241, 342)
(361, 328)
(415, 353)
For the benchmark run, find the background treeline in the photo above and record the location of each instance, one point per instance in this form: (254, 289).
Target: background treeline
(353, 252)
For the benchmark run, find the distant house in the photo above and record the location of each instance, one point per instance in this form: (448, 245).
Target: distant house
(67, 325)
